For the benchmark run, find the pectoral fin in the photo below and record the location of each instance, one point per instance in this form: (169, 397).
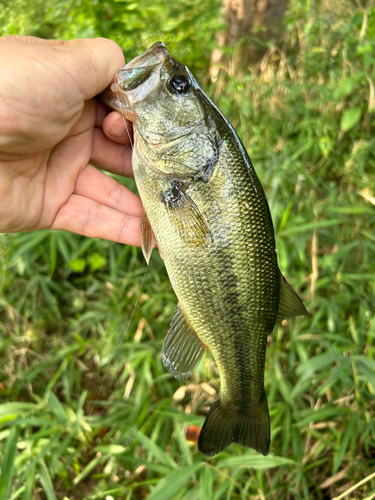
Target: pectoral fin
(147, 237)
(290, 304)
(185, 216)
(182, 348)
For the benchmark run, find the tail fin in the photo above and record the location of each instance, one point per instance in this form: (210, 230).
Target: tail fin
(226, 424)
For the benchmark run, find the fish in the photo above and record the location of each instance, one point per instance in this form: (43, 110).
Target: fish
(207, 212)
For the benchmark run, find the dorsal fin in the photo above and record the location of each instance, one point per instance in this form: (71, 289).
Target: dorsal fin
(290, 304)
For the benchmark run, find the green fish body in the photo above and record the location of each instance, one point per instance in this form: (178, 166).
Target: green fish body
(208, 213)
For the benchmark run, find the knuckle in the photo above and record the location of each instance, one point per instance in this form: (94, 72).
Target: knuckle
(124, 229)
(92, 219)
(115, 196)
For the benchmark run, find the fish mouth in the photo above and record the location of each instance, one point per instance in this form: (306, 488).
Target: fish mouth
(155, 54)
(135, 80)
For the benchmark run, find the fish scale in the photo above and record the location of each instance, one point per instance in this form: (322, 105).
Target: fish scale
(208, 213)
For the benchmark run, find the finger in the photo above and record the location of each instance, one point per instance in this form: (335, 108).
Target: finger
(66, 160)
(115, 158)
(118, 128)
(101, 112)
(86, 120)
(94, 62)
(99, 187)
(90, 218)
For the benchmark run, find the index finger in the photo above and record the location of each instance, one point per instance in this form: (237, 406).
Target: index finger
(111, 156)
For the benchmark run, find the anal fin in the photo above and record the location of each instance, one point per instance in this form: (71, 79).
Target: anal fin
(182, 348)
(290, 304)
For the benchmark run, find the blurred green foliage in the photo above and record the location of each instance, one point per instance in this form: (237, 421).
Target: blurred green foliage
(87, 410)
(187, 27)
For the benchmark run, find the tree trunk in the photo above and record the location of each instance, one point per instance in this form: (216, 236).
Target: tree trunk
(263, 19)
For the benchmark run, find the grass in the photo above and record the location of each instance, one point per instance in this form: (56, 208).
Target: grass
(87, 410)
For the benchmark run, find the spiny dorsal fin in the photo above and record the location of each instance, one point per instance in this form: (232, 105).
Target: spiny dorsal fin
(185, 216)
(147, 237)
(182, 348)
(290, 304)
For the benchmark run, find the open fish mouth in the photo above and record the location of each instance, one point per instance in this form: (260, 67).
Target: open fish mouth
(135, 80)
(155, 54)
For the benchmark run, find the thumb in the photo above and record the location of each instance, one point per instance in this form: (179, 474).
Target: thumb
(45, 85)
(93, 63)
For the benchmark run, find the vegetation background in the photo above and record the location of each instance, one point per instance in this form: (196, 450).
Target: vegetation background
(87, 410)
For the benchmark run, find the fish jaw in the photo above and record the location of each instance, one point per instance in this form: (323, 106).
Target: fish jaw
(135, 81)
(155, 54)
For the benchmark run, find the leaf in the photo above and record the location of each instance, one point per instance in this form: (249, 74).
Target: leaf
(222, 489)
(367, 369)
(310, 226)
(320, 362)
(206, 482)
(7, 465)
(86, 471)
(77, 265)
(97, 261)
(344, 88)
(47, 448)
(172, 483)
(52, 253)
(10, 411)
(46, 482)
(30, 482)
(111, 449)
(349, 118)
(255, 461)
(154, 449)
(58, 410)
(345, 438)
(319, 415)
(364, 49)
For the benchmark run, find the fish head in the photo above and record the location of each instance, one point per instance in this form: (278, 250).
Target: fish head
(175, 133)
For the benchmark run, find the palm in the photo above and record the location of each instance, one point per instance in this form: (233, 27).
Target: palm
(46, 180)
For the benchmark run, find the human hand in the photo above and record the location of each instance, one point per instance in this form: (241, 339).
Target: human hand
(51, 127)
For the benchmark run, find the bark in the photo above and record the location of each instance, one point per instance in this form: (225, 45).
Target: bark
(262, 19)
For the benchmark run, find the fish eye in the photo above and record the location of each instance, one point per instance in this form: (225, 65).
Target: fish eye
(179, 84)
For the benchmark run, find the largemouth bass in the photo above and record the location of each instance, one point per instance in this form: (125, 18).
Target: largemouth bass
(206, 209)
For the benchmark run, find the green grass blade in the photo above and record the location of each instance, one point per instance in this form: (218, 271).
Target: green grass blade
(206, 483)
(58, 410)
(89, 468)
(255, 461)
(10, 411)
(46, 482)
(310, 226)
(173, 483)
(154, 449)
(347, 436)
(30, 482)
(7, 466)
